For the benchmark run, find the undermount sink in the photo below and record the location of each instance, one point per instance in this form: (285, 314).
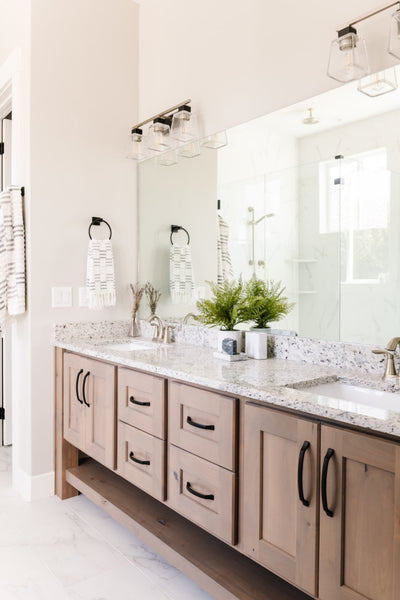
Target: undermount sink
(377, 399)
(130, 346)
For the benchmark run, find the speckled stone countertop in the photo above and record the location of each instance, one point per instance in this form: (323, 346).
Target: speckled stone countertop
(262, 380)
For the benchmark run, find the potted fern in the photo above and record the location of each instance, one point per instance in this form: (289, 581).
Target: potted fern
(226, 310)
(264, 303)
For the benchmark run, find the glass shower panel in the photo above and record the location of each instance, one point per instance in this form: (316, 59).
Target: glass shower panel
(369, 250)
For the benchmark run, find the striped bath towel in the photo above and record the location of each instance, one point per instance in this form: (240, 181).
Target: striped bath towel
(100, 281)
(224, 263)
(11, 204)
(181, 281)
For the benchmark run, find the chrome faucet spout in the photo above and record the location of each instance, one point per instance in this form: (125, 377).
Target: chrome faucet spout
(159, 327)
(392, 345)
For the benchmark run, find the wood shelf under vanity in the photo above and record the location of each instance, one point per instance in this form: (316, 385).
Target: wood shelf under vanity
(217, 568)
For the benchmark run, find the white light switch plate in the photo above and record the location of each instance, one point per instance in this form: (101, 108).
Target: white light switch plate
(61, 297)
(83, 299)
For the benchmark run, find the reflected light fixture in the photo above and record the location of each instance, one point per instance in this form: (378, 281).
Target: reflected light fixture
(190, 150)
(184, 125)
(167, 159)
(394, 34)
(348, 58)
(310, 120)
(215, 141)
(378, 84)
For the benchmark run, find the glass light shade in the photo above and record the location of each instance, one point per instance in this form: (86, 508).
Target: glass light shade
(348, 59)
(394, 35)
(137, 150)
(190, 150)
(159, 135)
(184, 125)
(378, 84)
(168, 158)
(218, 140)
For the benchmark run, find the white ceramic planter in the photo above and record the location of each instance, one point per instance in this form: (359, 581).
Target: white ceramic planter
(256, 343)
(230, 335)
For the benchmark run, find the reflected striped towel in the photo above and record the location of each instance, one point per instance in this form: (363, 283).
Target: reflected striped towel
(100, 282)
(4, 318)
(181, 281)
(224, 263)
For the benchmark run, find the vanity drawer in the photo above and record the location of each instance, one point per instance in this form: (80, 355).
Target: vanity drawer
(142, 401)
(190, 478)
(134, 446)
(204, 423)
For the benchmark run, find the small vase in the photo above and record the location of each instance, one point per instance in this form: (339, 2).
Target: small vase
(235, 336)
(134, 330)
(256, 343)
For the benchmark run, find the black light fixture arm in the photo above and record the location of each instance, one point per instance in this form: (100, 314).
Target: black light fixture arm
(165, 113)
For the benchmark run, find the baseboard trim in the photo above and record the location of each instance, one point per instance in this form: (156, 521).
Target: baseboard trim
(33, 487)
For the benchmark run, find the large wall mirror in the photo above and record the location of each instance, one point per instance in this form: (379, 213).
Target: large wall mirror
(308, 198)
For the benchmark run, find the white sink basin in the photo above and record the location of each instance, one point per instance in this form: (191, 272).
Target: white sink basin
(354, 395)
(130, 346)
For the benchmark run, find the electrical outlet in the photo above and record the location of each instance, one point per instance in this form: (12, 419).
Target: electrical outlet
(61, 297)
(83, 299)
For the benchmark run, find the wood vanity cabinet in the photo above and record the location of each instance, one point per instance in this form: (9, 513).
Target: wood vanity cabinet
(89, 407)
(280, 479)
(360, 517)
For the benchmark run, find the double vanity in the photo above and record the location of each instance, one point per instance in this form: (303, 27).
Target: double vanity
(261, 480)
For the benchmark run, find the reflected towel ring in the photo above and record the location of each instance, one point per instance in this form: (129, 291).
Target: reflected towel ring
(98, 221)
(175, 229)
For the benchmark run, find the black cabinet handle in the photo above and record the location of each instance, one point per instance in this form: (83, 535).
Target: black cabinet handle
(199, 425)
(192, 491)
(76, 386)
(304, 448)
(137, 460)
(330, 452)
(133, 401)
(84, 388)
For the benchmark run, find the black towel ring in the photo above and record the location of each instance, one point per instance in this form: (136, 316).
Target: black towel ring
(175, 229)
(98, 221)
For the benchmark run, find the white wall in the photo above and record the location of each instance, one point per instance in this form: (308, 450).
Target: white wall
(239, 60)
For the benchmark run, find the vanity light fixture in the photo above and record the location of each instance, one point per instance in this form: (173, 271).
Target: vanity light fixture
(190, 150)
(348, 58)
(378, 84)
(184, 125)
(167, 159)
(159, 135)
(310, 120)
(137, 150)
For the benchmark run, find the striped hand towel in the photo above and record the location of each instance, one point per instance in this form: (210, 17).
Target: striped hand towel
(4, 317)
(100, 281)
(11, 204)
(224, 263)
(181, 281)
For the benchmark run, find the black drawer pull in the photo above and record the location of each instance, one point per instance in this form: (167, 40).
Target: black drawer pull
(330, 452)
(304, 448)
(199, 425)
(204, 496)
(76, 386)
(84, 389)
(137, 460)
(133, 401)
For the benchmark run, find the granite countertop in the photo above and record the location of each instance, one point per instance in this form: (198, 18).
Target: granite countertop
(262, 380)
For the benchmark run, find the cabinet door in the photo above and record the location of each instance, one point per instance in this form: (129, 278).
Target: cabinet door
(279, 530)
(98, 391)
(360, 535)
(73, 407)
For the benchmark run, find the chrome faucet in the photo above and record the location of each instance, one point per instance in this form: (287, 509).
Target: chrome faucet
(189, 316)
(159, 330)
(389, 351)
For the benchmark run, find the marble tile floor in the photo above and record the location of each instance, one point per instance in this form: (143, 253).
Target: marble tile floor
(72, 550)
